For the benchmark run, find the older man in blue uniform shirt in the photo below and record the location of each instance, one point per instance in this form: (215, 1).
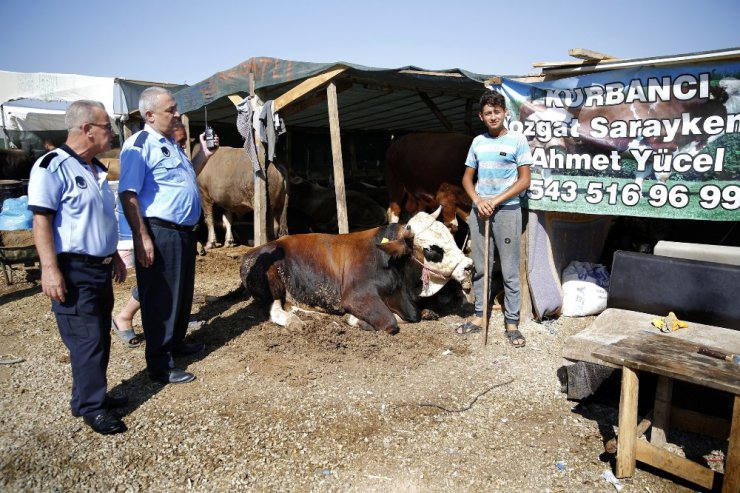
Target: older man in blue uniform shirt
(160, 198)
(75, 231)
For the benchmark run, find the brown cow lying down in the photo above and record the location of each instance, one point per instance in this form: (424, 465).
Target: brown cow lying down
(372, 275)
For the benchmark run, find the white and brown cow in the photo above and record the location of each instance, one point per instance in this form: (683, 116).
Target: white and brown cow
(376, 276)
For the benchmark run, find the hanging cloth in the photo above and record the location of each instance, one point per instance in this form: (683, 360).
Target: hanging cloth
(244, 125)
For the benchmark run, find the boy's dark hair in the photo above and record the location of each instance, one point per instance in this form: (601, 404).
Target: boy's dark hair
(492, 98)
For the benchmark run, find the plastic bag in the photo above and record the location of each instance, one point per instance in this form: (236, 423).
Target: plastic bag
(15, 214)
(585, 289)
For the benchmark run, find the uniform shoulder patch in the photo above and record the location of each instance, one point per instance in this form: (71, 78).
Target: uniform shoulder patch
(139, 142)
(46, 161)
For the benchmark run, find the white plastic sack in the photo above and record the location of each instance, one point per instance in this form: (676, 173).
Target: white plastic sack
(585, 289)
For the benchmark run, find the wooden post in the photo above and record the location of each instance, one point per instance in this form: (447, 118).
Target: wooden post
(662, 413)
(626, 453)
(336, 152)
(260, 186)
(732, 465)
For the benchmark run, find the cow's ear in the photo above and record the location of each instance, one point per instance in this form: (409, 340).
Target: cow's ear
(395, 248)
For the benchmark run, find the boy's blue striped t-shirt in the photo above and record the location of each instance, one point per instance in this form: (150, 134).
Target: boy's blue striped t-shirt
(497, 160)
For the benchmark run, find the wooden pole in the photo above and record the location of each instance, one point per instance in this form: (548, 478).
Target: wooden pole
(732, 465)
(486, 276)
(336, 152)
(627, 424)
(260, 186)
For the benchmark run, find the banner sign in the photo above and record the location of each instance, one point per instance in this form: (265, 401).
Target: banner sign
(650, 142)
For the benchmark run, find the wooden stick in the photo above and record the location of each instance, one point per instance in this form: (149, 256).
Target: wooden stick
(611, 445)
(487, 239)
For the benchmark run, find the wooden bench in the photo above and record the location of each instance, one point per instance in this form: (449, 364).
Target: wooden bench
(672, 359)
(643, 287)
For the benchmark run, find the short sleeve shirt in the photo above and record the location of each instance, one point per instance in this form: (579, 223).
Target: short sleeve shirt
(84, 209)
(157, 170)
(497, 160)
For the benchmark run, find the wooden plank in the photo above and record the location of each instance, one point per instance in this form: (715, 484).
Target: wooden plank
(305, 87)
(627, 424)
(674, 464)
(585, 54)
(662, 411)
(674, 358)
(336, 152)
(440, 116)
(583, 67)
(731, 482)
(235, 99)
(565, 63)
(313, 100)
(614, 324)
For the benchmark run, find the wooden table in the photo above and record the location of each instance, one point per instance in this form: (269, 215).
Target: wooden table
(671, 359)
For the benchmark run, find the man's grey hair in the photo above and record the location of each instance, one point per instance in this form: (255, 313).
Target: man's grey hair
(148, 99)
(81, 112)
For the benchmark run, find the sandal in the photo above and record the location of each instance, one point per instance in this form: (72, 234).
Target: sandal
(129, 337)
(515, 338)
(467, 328)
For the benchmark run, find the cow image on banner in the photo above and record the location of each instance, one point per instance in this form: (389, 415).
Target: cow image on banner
(650, 142)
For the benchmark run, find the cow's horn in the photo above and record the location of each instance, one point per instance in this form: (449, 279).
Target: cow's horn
(435, 214)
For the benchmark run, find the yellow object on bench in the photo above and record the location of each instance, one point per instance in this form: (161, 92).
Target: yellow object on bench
(671, 323)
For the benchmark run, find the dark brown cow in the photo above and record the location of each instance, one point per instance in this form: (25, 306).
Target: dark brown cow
(15, 164)
(372, 275)
(424, 171)
(228, 180)
(313, 208)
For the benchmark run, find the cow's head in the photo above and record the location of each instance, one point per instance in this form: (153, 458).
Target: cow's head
(443, 260)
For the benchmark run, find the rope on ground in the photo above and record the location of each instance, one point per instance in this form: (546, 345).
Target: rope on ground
(429, 404)
(9, 359)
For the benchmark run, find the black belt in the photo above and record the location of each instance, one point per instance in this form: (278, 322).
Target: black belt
(166, 224)
(88, 259)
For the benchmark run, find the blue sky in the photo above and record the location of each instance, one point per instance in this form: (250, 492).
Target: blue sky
(151, 40)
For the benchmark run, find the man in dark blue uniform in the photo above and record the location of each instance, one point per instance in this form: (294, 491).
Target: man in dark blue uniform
(75, 231)
(160, 198)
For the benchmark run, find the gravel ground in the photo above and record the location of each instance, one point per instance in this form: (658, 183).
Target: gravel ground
(321, 408)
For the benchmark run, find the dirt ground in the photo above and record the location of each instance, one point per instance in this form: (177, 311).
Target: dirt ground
(322, 408)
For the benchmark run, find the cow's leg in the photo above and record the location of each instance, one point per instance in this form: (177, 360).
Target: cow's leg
(371, 310)
(403, 306)
(208, 218)
(283, 318)
(228, 221)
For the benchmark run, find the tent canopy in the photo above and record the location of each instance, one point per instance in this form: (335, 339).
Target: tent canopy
(370, 98)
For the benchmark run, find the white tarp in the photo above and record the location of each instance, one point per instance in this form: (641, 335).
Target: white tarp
(32, 119)
(56, 87)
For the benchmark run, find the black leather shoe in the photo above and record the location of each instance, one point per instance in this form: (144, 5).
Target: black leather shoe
(188, 349)
(111, 402)
(172, 376)
(104, 423)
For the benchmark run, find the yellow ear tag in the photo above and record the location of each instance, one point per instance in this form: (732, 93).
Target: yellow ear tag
(384, 240)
